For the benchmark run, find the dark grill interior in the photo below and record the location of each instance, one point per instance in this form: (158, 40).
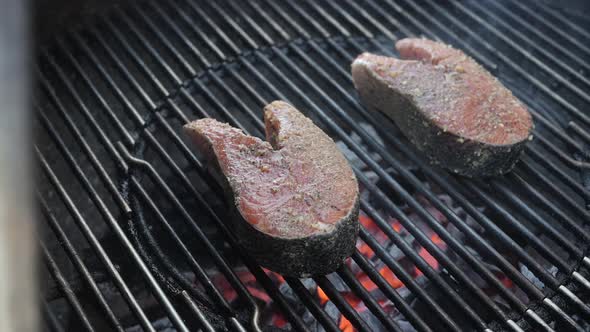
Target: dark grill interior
(134, 233)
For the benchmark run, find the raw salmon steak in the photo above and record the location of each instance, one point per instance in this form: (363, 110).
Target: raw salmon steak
(448, 105)
(294, 197)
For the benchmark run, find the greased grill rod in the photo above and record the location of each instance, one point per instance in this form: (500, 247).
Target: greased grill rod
(319, 70)
(512, 42)
(514, 18)
(65, 288)
(148, 322)
(227, 271)
(533, 80)
(389, 291)
(74, 257)
(235, 99)
(322, 317)
(86, 230)
(161, 149)
(573, 299)
(125, 291)
(351, 281)
(254, 45)
(376, 126)
(225, 88)
(382, 316)
(536, 14)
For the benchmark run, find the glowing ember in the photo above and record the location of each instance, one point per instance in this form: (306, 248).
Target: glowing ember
(273, 315)
(381, 234)
(278, 320)
(354, 301)
(249, 280)
(323, 297)
(345, 325)
(367, 283)
(230, 294)
(397, 226)
(366, 221)
(365, 250)
(507, 282)
(390, 277)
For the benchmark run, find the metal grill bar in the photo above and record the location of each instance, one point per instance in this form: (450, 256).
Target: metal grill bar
(538, 34)
(368, 299)
(119, 281)
(578, 130)
(312, 305)
(390, 158)
(196, 267)
(424, 239)
(52, 323)
(567, 105)
(152, 141)
(399, 271)
(165, 105)
(82, 270)
(213, 251)
(387, 288)
(109, 218)
(558, 19)
(65, 288)
(528, 41)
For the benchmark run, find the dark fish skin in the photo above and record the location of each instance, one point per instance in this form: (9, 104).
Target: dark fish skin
(294, 198)
(449, 106)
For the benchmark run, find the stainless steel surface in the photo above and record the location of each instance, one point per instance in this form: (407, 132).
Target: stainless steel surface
(18, 282)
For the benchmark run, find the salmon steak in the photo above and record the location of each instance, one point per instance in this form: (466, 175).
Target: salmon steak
(447, 105)
(294, 198)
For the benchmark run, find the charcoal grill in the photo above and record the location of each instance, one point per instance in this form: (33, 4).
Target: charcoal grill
(134, 230)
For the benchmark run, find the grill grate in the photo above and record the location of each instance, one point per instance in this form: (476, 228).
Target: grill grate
(136, 237)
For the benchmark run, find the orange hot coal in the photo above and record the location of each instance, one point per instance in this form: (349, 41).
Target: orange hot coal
(278, 320)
